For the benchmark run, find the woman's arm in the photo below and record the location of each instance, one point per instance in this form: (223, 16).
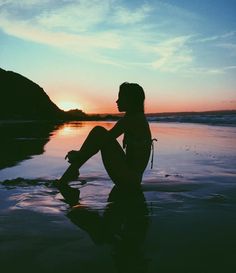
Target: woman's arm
(118, 128)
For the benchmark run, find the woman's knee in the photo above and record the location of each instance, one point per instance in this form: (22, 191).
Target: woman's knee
(99, 131)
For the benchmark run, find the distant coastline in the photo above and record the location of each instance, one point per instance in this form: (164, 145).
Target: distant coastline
(220, 118)
(180, 113)
(216, 118)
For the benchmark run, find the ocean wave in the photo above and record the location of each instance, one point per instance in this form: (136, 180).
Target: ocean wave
(220, 120)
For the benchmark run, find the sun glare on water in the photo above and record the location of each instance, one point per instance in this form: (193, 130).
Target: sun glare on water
(66, 105)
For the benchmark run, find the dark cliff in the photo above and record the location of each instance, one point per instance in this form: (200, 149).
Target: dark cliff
(22, 99)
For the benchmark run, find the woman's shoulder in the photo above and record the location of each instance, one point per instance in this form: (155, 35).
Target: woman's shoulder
(136, 122)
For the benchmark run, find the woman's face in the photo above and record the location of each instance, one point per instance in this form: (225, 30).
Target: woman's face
(121, 103)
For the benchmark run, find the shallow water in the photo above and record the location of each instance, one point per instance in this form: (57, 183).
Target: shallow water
(185, 224)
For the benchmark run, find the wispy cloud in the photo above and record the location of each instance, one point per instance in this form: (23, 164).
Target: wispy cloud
(210, 70)
(106, 31)
(90, 27)
(123, 15)
(66, 26)
(60, 39)
(206, 71)
(230, 67)
(229, 46)
(76, 16)
(217, 37)
(176, 11)
(172, 54)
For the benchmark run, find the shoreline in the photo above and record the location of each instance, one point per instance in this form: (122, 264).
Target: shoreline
(214, 118)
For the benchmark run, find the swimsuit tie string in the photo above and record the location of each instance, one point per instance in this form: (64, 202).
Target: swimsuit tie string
(152, 148)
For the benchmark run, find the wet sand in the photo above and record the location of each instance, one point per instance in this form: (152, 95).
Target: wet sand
(185, 221)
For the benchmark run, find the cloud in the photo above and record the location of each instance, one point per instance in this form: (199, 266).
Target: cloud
(175, 11)
(206, 71)
(40, 29)
(122, 15)
(172, 54)
(79, 43)
(93, 27)
(230, 67)
(210, 70)
(110, 32)
(77, 16)
(217, 37)
(229, 46)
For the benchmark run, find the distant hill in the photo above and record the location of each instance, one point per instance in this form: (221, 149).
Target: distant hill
(21, 98)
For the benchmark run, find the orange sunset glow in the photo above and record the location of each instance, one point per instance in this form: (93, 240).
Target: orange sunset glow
(68, 105)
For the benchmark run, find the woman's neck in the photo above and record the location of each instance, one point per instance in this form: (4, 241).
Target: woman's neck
(133, 113)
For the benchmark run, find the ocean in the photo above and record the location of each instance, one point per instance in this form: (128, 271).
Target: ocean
(220, 118)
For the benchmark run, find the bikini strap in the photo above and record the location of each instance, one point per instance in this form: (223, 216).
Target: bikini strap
(152, 148)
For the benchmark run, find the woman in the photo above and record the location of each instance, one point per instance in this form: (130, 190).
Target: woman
(125, 167)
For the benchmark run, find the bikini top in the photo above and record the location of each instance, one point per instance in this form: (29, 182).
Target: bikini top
(139, 142)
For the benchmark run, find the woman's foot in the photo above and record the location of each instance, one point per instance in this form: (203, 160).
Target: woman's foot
(73, 156)
(71, 195)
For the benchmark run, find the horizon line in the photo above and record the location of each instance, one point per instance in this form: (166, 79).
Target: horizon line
(174, 112)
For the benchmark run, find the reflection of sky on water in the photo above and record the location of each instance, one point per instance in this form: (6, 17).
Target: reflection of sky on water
(191, 187)
(195, 149)
(37, 200)
(184, 149)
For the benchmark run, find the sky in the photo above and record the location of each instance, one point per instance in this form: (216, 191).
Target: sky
(183, 53)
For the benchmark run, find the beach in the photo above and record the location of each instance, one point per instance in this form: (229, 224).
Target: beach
(183, 221)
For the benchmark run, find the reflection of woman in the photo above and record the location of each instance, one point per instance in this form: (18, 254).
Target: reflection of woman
(123, 225)
(124, 167)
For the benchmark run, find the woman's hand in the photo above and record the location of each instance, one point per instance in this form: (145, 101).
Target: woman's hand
(72, 156)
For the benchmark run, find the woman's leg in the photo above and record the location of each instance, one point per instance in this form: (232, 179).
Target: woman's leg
(89, 148)
(113, 156)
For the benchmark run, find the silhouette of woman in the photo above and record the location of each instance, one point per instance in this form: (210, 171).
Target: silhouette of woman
(125, 167)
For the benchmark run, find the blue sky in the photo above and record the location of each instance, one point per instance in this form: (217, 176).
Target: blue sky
(182, 52)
